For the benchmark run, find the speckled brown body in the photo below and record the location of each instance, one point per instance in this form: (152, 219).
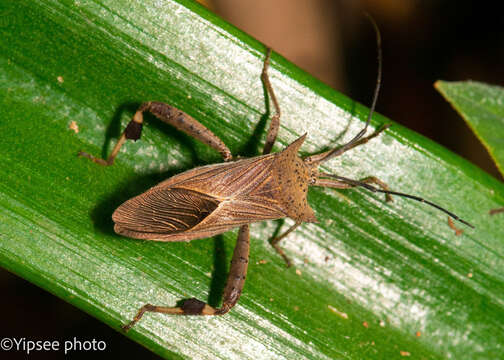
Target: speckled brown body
(213, 199)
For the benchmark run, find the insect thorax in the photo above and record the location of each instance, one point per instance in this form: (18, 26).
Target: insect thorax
(293, 177)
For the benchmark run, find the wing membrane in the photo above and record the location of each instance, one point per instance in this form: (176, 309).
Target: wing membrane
(162, 211)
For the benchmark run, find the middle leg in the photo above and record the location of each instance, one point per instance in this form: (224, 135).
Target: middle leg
(275, 120)
(274, 242)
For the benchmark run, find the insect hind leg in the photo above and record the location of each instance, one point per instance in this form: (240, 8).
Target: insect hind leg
(231, 294)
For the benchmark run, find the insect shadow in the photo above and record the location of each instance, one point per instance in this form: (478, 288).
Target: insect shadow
(251, 147)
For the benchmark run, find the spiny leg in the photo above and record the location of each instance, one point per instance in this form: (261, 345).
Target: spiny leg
(231, 294)
(237, 271)
(275, 120)
(274, 242)
(336, 184)
(172, 116)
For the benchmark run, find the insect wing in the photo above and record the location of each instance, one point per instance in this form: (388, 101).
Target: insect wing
(202, 202)
(162, 212)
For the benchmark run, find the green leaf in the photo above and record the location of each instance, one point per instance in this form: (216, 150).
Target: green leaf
(482, 108)
(371, 275)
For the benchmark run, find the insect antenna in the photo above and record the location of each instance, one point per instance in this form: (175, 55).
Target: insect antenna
(338, 151)
(375, 189)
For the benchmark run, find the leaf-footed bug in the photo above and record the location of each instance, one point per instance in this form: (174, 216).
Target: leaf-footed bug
(213, 199)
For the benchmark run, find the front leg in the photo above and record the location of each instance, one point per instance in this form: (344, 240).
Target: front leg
(319, 158)
(232, 291)
(172, 116)
(336, 184)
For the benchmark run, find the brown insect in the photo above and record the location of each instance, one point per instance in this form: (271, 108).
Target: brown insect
(213, 199)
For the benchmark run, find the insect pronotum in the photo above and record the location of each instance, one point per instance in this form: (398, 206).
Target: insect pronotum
(213, 199)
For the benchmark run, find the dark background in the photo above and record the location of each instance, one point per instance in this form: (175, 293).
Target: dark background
(423, 41)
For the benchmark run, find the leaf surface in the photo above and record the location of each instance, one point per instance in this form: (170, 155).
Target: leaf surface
(370, 276)
(482, 107)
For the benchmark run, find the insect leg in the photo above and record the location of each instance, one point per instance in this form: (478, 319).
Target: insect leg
(274, 242)
(275, 120)
(342, 182)
(318, 158)
(357, 139)
(172, 116)
(336, 184)
(232, 291)
(237, 272)
(365, 139)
